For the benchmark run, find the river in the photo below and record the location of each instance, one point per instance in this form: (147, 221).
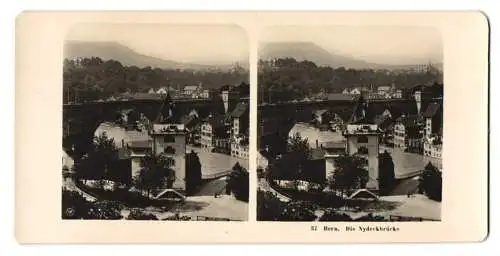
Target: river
(213, 163)
(406, 163)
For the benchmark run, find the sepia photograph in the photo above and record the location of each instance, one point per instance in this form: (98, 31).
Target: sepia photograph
(155, 122)
(251, 127)
(350, 123)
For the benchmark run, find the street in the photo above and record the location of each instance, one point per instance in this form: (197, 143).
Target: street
(213, 163)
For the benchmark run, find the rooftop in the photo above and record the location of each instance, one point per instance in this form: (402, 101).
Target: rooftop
(216, 121)
(191, 87)
(432, 110)
(317, 154)
(140, 144)
(315, 135)
(120, 134)
(321, 112)
(167, 128)
(239, 110)
(362, 129)
(408, 121)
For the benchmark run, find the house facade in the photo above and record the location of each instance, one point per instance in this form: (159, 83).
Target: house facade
(190, 90)
(384, 90)
(363, 141)
(169, 140)
(240, 118)
(228, 96)
(398, 94)
(433, 119)
(433, 142)
(408, 133)
(215, 133)
(433, 147)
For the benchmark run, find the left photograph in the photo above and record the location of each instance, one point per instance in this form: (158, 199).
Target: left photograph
(155, 122)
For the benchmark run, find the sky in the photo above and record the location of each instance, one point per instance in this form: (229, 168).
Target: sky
(396, 45)
(199, 44)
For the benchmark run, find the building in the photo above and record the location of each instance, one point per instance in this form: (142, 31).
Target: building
(317, 138)
(433, 147)
(408, 133)
(384, 90)
(137, 151)
(190, 90)
(332, 150)
(323, 116)
(122, 136)
(208, 94)
(398, 94)
(215, 133)
(169, 139)
(363, 141)
(166, 89)
(166, 136)
(239, 147)
(67, 161)
(433, 131)
(240, 118)
(355, 91)
(433, 119)
(229, 96)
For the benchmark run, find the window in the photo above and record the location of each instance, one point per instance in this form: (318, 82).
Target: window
(362, 139)
(363, 150)
(169, 150)
(364, 161)
(171, 161)
(169, 139)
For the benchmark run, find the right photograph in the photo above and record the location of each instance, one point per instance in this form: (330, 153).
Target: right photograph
(350, 123)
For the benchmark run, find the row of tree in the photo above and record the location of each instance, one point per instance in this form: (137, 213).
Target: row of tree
(270, 208)
(350, 172)
(94, 78)
(288, 79)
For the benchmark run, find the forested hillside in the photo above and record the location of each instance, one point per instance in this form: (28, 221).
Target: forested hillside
(287, 78)
(93, 79)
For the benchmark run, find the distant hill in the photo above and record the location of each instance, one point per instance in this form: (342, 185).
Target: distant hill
(312, 52)
(129, 57)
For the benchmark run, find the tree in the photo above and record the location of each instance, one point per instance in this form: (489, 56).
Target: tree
(106, 210)
(432, 182)
(74, 205)
(298, 211)
(269, 207)
(140, 214)
(237, 182)
(193, 172)
(299, 147)
(133, 117)
(349, 174)
(155, 173)
(387, 176)
(332, 215)
(96, 163)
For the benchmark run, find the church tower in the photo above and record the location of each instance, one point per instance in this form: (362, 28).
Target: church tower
(360, 111)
